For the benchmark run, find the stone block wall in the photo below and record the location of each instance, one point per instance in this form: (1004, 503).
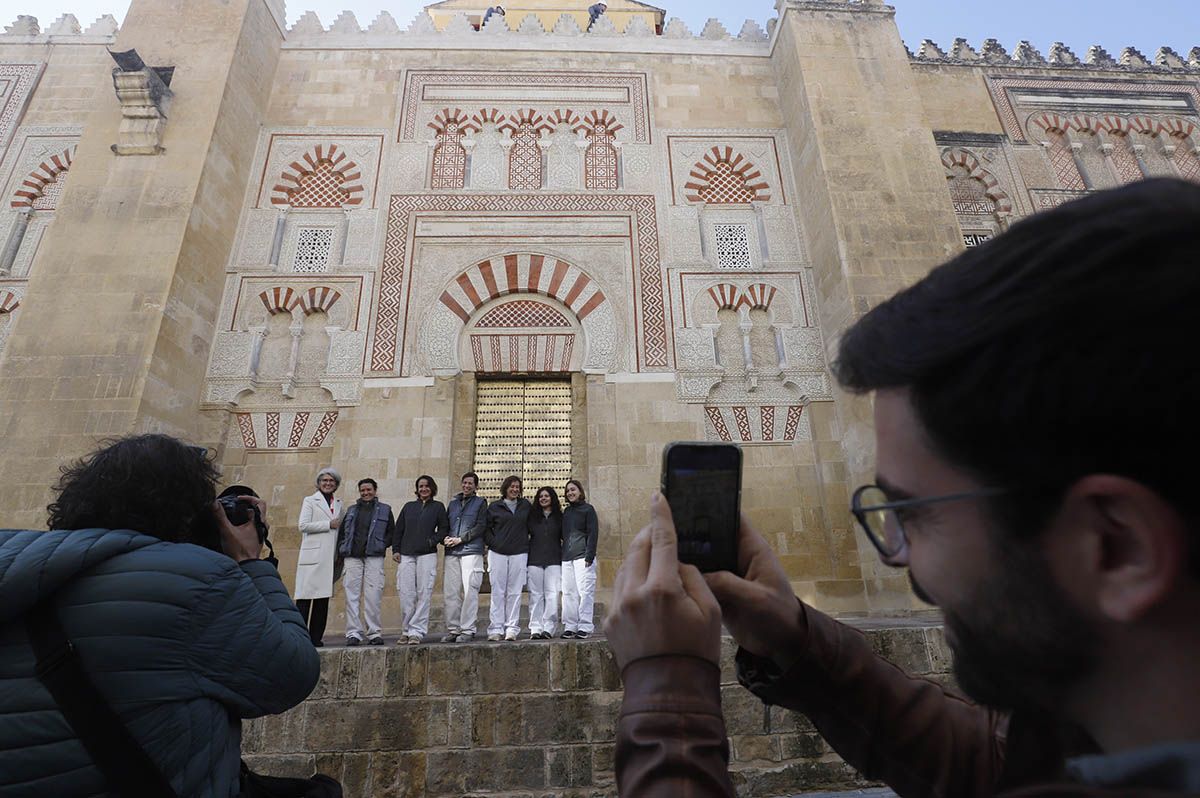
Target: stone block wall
(530, 719)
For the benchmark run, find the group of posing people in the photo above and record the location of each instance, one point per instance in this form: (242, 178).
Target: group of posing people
(543, 544)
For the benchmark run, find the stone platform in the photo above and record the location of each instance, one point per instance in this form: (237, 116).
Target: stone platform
(531, 718)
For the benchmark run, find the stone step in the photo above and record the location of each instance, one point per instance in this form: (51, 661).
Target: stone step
(533, 718)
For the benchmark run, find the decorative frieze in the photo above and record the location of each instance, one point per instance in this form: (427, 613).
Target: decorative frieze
(1026, 55)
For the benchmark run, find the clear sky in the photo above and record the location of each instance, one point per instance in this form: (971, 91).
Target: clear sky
(1147, 25)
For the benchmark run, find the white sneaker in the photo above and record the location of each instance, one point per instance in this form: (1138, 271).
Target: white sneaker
(465, 637)
(511, 634)
(495, 638)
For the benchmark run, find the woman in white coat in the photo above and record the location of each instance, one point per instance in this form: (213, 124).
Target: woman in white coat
(320, 516)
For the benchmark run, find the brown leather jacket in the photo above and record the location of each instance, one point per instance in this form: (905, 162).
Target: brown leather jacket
(915, 735)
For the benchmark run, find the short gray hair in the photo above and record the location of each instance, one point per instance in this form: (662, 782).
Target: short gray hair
(331, 472)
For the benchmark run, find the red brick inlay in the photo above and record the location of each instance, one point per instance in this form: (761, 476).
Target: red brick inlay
(41, 188)
(279, 300)
(525, 156)
(973, 170)
(8, 302)
(323, 178)
(525, 313)
(726, 177)
(449, 156)
(600, 159)
(318, 299)
(718, 422)
(246, 425)
(649, 300)
(298, 425)
(318, 438)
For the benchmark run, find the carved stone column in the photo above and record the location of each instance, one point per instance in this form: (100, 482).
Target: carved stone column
(277, 241)
(15, 236)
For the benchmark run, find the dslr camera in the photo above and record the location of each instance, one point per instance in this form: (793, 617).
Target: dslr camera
(239, 512)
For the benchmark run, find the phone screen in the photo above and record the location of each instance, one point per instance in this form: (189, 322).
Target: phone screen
(702, 483)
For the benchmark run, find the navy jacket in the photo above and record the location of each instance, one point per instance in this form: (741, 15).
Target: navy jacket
(182, 641)
(468, 518)
(380, 536)
(545, 538)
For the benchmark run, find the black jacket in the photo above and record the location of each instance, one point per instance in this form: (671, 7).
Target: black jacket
(507, 531)
(545, 538)
(420, 528)
(581, 532)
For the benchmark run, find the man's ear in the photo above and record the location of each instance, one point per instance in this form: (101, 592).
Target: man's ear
(1130, 546)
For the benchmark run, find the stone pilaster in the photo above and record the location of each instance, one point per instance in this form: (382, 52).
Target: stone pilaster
(119, 313)
(876, 214)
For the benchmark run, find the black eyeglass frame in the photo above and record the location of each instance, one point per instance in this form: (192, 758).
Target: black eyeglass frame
(860, 513)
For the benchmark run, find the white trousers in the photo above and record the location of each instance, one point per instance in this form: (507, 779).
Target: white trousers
(508, 577)
(363, 579)
(460, 590)
(544, 584)
(579, 595)
(414, 583)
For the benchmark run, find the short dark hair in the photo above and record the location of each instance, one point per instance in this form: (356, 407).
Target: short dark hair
(432, 485)
(1027, 358)
(472, 475)
(578, 484)
(508, 481)
(153, 484)
(368, 481)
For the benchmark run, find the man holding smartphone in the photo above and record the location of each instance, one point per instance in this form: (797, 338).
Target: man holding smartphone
(1060, 540)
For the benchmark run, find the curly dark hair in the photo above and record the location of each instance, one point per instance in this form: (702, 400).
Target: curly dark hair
(153, 484)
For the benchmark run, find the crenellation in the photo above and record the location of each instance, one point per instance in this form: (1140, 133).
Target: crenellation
(384, 25)
(752, 32)
(1098, 56)
(993, 52)
(24, 25)
(929, 51)
(346, 22)
(961, 50)
(1167, 57)
(422, 25)
(1132, 57)
(1059, 55)
(308, 24)
(714, 30)
(1026, 53)
(66, 25)
(677, 29)
(531, 26)
(459, 24)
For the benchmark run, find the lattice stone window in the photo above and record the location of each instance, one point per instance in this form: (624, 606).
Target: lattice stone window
(974, 239)
(733, 246)
(313, 245)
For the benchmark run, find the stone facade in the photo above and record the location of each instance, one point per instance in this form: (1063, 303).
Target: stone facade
(305, 247)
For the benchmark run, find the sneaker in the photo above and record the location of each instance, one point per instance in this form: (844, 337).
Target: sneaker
(465, 637)
(510, 635)
(374, 641)
(567, 635)
(495, 638)
(414, 640)
(353, 641)
(581, 635)
(450, 637)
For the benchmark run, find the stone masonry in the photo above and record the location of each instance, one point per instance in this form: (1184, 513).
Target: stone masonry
(530, 719)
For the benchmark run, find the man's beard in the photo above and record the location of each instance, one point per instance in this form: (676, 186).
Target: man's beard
(1018, 644)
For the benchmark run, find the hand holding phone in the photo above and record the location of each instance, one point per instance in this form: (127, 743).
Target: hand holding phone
(703, 485)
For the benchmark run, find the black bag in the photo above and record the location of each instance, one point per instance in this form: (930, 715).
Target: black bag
(117, 755)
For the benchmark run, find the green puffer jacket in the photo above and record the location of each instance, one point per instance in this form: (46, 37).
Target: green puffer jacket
(182, 641)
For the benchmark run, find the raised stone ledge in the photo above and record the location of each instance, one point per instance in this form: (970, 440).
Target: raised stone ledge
(385, 32)
(534, 718)
(26, 29)
(992, 53)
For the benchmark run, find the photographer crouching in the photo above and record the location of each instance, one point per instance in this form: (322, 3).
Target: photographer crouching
(138, 633)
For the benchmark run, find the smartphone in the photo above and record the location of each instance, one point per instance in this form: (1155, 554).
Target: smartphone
(703, 485)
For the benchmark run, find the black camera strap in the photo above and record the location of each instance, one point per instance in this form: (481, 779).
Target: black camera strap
(125, 764)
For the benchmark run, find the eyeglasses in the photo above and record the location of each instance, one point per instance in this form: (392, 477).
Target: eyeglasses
(882, 520)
